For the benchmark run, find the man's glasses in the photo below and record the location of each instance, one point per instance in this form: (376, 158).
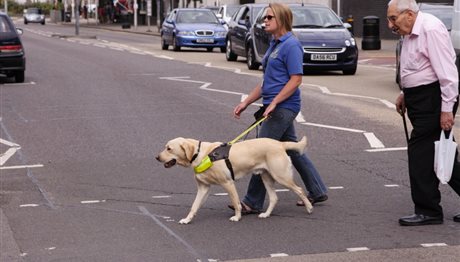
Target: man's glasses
(392, 19)
(269, 17)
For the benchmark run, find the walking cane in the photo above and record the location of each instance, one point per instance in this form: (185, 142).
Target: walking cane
(405, 126)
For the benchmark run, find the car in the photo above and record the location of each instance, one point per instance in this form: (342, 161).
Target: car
(239, 30)
(34, 15)
(443, 11)
(12, 57)
(327, 43)
(227, 11)
(193, 27)
(455, 32)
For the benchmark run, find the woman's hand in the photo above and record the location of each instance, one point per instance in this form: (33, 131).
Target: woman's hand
(239, 109)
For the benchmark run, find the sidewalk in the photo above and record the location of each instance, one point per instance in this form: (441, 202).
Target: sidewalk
(388, 46)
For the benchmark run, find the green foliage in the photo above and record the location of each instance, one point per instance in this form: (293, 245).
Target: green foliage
(16, 9)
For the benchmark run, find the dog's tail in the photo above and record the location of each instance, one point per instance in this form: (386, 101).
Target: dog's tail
(297, 146)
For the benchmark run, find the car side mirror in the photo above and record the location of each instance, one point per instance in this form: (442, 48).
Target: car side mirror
(219, 16)
(19, 31)
(347, 25)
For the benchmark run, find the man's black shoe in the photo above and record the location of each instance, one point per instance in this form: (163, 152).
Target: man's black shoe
(457, 218)
(419, 220)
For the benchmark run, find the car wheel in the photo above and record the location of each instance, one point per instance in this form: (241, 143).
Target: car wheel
(229, 54)
(19, 76)
(164, 46)
(350, 71)
(175, 46)
(223, 49)
(43, 23)
(251, 60)
(25, 22)
(209, 49)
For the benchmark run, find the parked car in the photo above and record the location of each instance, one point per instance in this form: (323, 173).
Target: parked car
(455, 32)
(327, 43)
(239, 30)
(192, 27)
(12, 58)
(227, 11)
(34, 15)
(443, 11)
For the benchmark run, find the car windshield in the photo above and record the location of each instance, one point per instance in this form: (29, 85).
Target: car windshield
(193, 17)
(34, 11)
(444, 13)
(315, 17)
(4, 25)
(231, 10)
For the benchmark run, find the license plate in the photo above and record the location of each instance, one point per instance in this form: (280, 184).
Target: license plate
(324, 57)
(205, 40)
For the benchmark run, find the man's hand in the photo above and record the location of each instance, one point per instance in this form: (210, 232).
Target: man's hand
(447, 120)
(400, 105)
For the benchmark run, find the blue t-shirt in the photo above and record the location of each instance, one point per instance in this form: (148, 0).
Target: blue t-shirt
(283, 58)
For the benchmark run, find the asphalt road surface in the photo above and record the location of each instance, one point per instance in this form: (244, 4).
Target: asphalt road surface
(79, 181)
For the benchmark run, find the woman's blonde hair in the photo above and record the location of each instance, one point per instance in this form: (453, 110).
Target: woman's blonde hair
(283, 15)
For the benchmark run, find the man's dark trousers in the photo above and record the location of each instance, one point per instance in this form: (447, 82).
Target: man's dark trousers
(423, 104)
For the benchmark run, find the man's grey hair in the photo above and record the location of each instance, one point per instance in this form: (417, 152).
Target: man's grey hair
(402, 5)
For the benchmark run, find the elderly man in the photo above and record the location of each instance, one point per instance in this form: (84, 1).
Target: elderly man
(429, 79)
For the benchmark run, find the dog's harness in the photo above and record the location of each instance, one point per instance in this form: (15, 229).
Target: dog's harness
(221, 152)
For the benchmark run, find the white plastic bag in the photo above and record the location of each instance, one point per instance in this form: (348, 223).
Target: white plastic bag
(444, 157)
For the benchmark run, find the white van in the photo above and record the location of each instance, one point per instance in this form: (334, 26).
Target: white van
(455, 32)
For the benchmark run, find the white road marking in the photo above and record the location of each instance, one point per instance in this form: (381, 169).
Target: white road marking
(279, 255)
(282, 190)
(434, 245)
(161, 196)
(336, 187)
(29, 205)
(355, 249)
(387, 149)
(9, 153)
(392, 185)
(374, 142)
(92, 201)
(221, 194)
(20, 167)
(333, 127)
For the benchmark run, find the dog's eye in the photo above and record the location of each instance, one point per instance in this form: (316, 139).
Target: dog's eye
(168, 148)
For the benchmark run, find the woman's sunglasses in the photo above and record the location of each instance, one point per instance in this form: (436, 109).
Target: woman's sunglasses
(269, 17)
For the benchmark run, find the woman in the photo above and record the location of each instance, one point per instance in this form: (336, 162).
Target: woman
(280, 93)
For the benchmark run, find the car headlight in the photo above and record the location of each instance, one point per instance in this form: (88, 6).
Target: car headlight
(186, 33)
(221, 34)
(350, 42)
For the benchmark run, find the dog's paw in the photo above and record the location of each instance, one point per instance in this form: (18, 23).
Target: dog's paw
(310, 209)
(264, 215)
(235, 218)
(185, 221)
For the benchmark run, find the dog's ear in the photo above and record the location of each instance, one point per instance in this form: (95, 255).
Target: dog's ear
(189, 149)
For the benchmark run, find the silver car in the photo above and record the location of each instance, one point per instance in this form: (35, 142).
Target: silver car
(34, 15)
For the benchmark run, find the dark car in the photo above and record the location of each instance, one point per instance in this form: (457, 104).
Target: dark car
(327, 44)
(239, 30)
(445, 13)
(34, 15)
(192, 27)
(12, 59)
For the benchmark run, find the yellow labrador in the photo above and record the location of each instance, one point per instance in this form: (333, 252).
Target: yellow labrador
(262, 156)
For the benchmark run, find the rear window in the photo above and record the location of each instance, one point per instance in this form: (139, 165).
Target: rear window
(5, 26)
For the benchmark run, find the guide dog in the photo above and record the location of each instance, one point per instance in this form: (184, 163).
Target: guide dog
(261, 156)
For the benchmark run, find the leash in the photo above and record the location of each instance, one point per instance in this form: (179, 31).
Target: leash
(249, 129)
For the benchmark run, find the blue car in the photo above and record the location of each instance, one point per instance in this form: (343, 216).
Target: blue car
(326, 42)
(187, 27)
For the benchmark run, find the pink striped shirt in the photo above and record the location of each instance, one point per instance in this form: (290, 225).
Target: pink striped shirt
(427, 56)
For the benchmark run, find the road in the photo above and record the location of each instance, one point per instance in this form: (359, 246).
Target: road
(79, 181)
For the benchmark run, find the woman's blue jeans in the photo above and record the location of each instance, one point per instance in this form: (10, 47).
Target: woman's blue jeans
(280, 126)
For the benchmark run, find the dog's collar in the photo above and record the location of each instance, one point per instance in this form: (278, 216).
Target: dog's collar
(197, 152)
